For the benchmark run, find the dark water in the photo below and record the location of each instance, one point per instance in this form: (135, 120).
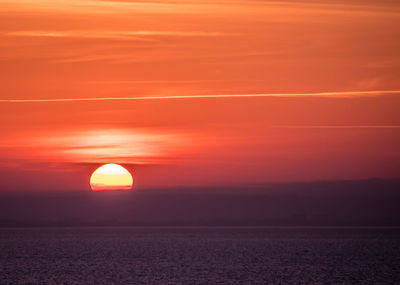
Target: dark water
(200, 256)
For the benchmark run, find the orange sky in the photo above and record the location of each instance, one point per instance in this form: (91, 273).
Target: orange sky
(54, 53)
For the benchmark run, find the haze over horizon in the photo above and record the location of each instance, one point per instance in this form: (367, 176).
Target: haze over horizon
(371, 203)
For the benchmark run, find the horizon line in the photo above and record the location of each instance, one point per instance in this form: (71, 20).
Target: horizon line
(330, 94)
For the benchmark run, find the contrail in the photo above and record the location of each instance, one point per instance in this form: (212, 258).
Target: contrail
(344, 94)
(336, 127)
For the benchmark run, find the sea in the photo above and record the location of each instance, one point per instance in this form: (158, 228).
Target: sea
(200, 255)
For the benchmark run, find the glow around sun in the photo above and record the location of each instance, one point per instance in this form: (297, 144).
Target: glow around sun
(111, 177)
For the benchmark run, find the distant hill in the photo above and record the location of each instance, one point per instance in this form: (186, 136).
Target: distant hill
(373, 202)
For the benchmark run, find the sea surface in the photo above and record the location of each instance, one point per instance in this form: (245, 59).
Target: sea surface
(200, 256)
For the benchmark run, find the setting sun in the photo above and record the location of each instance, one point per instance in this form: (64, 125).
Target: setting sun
(111, 177)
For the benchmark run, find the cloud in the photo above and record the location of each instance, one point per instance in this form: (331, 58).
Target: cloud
(121, 35)
(124, 145)
(337, 127)
(195, 7)
(336, 94)
(110, 7)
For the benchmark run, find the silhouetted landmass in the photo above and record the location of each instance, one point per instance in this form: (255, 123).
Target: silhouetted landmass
(371, 202)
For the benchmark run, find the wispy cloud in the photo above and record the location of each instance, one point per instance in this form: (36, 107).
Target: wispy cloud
(337, 126)
(117, 7)
(191, 7)
(121, 35)
(127, 82)
(338, 94)
(126, 145)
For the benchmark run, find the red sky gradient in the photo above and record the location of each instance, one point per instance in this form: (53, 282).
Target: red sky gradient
(73, 73)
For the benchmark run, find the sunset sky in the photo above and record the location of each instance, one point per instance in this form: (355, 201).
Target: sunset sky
(198, 93)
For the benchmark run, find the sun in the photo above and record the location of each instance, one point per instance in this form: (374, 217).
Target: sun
(111, 177)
